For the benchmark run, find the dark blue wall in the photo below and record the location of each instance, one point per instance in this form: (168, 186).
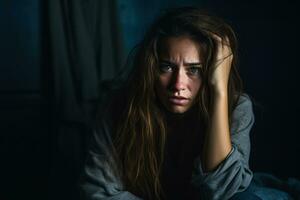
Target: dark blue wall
(19, 49)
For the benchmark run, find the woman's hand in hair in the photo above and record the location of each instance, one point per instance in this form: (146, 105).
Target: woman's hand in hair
(222, 66)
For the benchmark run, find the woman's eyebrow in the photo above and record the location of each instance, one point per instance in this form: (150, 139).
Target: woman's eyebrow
(188, 64)
(168, 62)
(194, 64)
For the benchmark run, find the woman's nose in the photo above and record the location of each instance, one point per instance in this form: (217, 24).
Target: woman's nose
(180, 80)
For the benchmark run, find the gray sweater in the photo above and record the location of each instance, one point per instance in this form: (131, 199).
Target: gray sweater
(98, 180)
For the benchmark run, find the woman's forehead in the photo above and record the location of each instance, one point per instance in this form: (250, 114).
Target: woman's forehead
(180, 49)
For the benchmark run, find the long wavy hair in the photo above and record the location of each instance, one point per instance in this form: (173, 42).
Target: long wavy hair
(141, 132)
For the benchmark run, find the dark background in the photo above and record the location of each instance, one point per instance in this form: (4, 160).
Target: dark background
(30, 164)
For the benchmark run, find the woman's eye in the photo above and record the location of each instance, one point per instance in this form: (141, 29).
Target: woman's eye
(194, 71)
(165, 68)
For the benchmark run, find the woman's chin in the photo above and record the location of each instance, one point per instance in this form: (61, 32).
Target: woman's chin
(178, 109)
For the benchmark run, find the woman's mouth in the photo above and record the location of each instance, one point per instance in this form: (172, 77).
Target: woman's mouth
(181, 101)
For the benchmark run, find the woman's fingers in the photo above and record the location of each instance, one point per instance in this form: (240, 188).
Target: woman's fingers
(223, 47)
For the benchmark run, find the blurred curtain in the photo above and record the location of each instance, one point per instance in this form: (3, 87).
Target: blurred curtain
(84, 47)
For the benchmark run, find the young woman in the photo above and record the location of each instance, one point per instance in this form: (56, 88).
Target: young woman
(179, 128)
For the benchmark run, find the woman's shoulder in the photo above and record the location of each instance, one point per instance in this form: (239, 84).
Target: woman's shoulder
(244, 102)
(243, 115)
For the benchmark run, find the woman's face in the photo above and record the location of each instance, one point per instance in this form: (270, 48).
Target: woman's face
(180, 73)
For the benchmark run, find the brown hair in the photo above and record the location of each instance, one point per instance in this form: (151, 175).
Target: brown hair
(141, 132)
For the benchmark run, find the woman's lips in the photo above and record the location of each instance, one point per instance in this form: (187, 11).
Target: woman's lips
(179, 100)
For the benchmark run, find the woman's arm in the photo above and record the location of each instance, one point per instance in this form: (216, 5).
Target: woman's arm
(217, 144)
(224, 169)
(232, 175)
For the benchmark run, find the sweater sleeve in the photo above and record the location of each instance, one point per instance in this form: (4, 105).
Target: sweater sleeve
(99, 180)
(233, 174)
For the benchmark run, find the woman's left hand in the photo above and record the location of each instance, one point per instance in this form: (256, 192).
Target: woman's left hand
(219, 79)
